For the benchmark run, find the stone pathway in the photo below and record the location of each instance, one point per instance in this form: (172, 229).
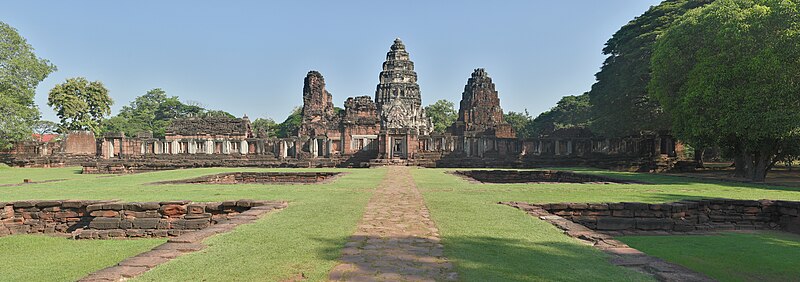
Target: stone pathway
(396, 239)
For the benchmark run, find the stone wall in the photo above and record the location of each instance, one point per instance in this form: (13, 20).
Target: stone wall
(527, 176)
(683, 216)
(259, 177)
(80, 143)
(105, 219)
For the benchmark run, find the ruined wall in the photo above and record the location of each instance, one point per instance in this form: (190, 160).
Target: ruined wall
(80, 143)
(360, 120)
(104, 219)
(683, 216)
(319, 116)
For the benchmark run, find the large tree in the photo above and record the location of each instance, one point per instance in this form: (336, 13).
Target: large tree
(291, 125)
(266, 126)
(521, 122)
(443, 114)
(729, 74)
(20, 72)
(621, 104)
(80, 104)
(571, 111)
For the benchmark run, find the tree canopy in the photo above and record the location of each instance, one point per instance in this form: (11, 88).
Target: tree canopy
(571, 111)
(443, 114)
(21, 71)
(291, 125)
(729, 74)
(620, 101)
(80, 104)
(154, 112)
(266, 126)
(521, 122)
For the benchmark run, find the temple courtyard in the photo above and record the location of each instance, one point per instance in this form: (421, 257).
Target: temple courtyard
(392, 224)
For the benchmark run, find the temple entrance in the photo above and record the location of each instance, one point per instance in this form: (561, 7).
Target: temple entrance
(398, 148)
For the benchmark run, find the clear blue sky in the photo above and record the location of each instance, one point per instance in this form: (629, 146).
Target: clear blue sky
(250, 57)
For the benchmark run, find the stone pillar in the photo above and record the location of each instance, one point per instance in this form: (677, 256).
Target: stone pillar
(142, 149)
(244, 148)
(569, 147)
(313, 147)
(283, 149)
(174, 148)
(191, 147)
(557, 146)
(111, 148)
(329, 148)
(226, 147)
(209, 147)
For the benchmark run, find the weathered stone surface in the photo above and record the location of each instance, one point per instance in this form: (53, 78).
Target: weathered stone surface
(105, 223)
(479, 113)
(397, 96)
(615, 223)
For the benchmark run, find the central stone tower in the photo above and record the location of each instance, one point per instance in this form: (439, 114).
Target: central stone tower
(399, 104)
(397, 96)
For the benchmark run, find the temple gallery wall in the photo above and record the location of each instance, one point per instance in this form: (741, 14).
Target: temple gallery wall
(392, 128)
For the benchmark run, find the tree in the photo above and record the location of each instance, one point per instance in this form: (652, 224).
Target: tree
(292, 123)
(267, 125)
(42, 127)
(729, 74)
(443, 114)
(21, 71)
(80, 104)
(571, 111)
(621, 103)
(521, 123)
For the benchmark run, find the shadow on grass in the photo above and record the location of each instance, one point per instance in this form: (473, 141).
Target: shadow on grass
(475, 258)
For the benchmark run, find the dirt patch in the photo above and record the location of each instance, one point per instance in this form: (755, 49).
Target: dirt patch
(538, 176)
(260, 178)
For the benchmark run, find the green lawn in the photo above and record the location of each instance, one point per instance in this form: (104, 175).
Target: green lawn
(45, 258)
(304, 238)
(488, 241)
(758, 256)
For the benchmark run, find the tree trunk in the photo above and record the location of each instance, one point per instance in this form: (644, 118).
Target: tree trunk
(760, 167)
(740, 166)
(698, 157)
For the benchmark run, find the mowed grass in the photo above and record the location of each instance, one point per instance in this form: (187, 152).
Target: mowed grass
(44, 258)
(304, 239)
(756, 256)
(492, 242)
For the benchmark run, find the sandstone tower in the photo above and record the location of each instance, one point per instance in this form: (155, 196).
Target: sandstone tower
(479, 113)
(397, 96)
(319, 115)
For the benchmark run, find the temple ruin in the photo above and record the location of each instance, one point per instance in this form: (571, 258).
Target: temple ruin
(391, 129)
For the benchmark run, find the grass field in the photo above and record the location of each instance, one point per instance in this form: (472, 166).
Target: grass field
(755, 256)
(496, 242)
(486, 241)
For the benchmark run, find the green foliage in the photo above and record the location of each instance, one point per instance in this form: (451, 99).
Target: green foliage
(80, 104)
(443, 114)
(20, 74)
(43, 127)
(266, 126)
(291, 125)
(729, 74)
(153, 112)
(522, 123)
(621, 104)
(571, 111)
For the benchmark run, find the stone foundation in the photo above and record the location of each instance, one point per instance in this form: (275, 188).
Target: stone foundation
(543, 176)
(259, 178)
(110, 219)
(688, 216)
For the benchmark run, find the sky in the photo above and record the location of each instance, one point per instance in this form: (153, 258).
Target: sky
(250, 57)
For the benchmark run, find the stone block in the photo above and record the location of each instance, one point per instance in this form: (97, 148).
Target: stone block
(104, 223)
(113, 206)
(598, 207)
(654, 223)
(94, 207)
(789, 211)
(191, 223)
(105, 213)
(636, 206)
(611, 223)
(150, 206)
(73, 204)
(244, 203)
(578, 206)
(215, 206)
(24, 204)
(179, 202)
(616, 206)
(622, 213)
(195, 209)
(198, 216)
(116, 233)
(172, 210)
(146, 223)
(44, 204)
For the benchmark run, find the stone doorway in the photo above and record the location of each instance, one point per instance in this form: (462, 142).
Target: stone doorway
(398, 147)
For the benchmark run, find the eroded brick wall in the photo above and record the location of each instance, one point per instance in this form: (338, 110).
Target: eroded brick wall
(683, 216)
(104, 219)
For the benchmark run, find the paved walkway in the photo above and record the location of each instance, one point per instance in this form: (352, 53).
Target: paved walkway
(396, 239)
